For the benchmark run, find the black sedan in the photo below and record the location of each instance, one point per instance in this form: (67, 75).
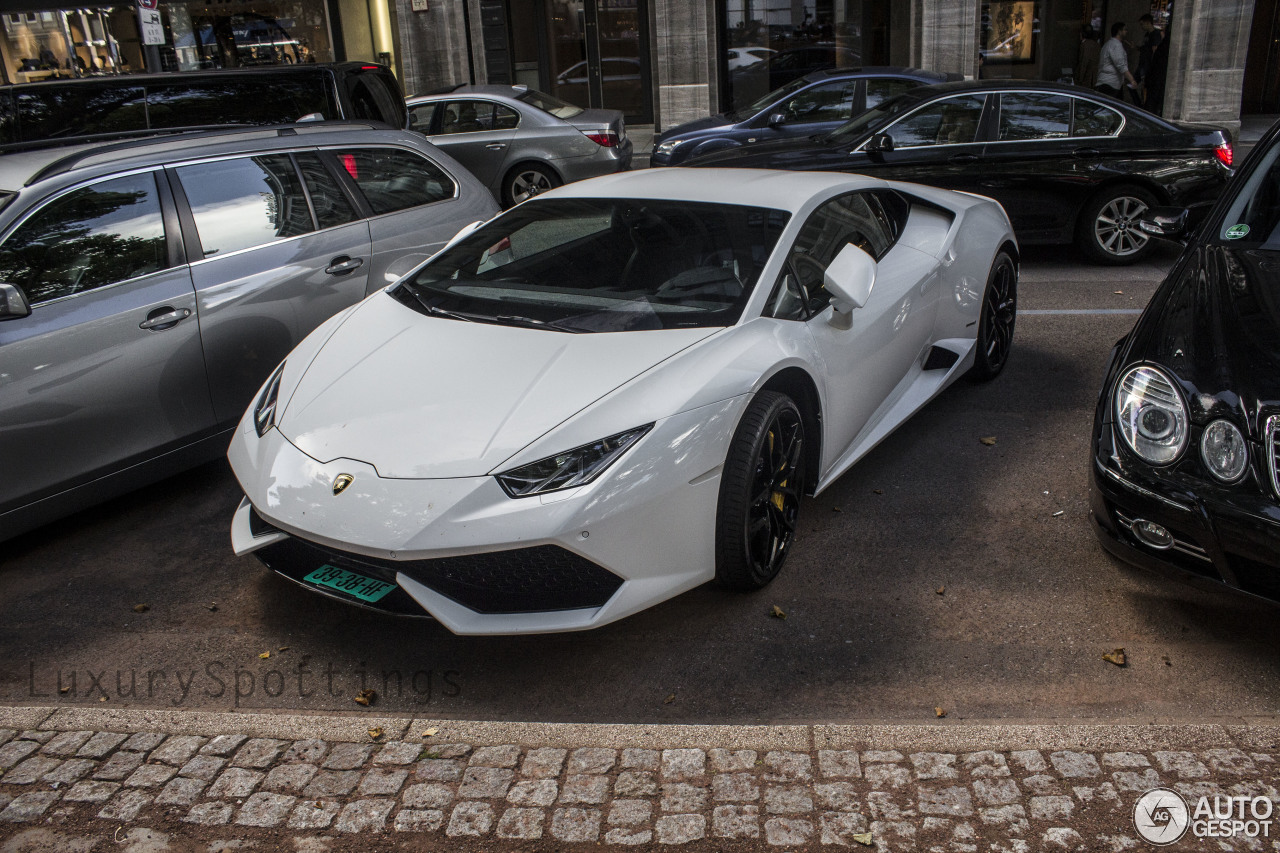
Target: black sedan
(1068, 164)
(1186, 440)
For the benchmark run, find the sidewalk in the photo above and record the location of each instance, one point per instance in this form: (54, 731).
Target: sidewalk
(81, 779)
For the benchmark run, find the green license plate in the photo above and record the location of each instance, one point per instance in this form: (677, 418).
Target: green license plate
(359, 586)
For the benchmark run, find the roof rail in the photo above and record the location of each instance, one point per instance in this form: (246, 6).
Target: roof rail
(71, 161)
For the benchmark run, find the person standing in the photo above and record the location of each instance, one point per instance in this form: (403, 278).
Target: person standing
(1151, 40)
(1087, 62)
(1113, 63)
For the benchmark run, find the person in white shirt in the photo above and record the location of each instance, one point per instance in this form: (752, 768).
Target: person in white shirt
(1113, 63)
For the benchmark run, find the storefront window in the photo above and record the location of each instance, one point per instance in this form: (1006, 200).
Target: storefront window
(89, 41)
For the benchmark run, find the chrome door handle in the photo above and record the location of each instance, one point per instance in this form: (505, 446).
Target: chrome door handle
(1086, 152)
(496, 146)
(342, 265)
(164, 318)
(963, 159)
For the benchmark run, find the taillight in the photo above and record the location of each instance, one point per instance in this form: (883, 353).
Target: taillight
(1224, 153)
(349, 163)
(607, 138)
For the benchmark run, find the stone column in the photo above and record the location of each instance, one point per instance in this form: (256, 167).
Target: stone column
(685, 48)
(944, 35)
(433, 44)
(1210, 42)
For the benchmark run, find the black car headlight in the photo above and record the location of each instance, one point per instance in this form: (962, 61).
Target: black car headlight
(1150, 414)
(264, 411)
(1224, 451)
(572, 468)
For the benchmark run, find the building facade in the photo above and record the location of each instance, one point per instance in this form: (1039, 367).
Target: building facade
(670, 61)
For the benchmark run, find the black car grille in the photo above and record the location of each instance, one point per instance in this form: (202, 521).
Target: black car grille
(1273, 452)
(523, 580)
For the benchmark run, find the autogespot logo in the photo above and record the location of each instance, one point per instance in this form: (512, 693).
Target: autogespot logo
(1161, 816)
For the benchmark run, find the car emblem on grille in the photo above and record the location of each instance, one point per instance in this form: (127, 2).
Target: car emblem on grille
(340, 483)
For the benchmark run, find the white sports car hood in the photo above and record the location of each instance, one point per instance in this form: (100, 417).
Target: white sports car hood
(419, 397)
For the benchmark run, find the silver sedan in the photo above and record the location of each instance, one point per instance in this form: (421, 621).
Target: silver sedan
(520, 142)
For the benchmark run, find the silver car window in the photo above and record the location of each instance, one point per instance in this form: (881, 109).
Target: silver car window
(246, 202)
(327, 199)
(392, 179)
(91, 237)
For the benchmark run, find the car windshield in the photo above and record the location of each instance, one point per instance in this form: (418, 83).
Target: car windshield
(602, 265)
(1253, 218)
(548, 104)
(773, 97)
(878, 115)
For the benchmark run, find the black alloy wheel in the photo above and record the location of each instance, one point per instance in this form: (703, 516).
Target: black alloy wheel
(760, 491)
(999, 314)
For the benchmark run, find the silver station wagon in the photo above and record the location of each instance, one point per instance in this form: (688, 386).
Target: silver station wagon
(148, 288)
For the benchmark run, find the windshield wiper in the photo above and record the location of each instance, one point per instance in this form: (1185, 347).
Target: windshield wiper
(433, 310)
(530, 323)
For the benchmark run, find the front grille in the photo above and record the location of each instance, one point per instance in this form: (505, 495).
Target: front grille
(523, 580)
(1273, 452)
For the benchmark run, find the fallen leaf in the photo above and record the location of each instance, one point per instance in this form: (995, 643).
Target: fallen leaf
(366, 697)
(1166, 660)
(68, 689)
(1115, 656)
(431, 732)
(265, 655)
(211, 607)
(939, 712)
(284, 648)
(376, 732)
(863, 838)
(670, 698)
(878, 491)
(988, 440)
(941, 590)
(141, 608)
(778, 612)
(836, 509)
(102, 698)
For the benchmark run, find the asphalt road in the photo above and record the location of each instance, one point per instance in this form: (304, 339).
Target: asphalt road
(1029, 603)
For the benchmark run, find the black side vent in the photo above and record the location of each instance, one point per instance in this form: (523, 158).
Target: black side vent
(940, 358)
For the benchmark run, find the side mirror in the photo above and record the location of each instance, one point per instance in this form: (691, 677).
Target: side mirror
(849, 280)
(13, 303)
(1168, 223)
(777, 119)
(879, 143)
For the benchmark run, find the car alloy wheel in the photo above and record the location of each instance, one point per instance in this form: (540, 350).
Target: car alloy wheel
(760, 493)
(527, 181)
(999, 314)
(1116, 226)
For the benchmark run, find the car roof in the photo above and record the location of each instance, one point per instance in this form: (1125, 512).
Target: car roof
(75, 162)
(976, 86)
(872, 70)
(472, 89)
(771, 188)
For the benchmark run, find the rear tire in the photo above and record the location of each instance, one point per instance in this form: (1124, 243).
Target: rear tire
(995, 325)
(526, 181)
(760, 490)
(1108, 229)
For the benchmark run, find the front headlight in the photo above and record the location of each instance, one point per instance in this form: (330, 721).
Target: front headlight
(1224, 451)
(572, 468)
(669, 146)
(1150, 415)
(264, 411)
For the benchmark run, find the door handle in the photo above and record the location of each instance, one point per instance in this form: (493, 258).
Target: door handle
(164, 318)
(1086, 152)
(496, 146)
(342, 265)
(963, 159)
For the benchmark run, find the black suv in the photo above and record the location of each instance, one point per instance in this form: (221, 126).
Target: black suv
(105, 108)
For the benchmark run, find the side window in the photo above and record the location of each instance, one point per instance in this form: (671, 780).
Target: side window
(1094, 119)
(420, 117)
(327, 199)
(505, 118)
(883, 88)
(948, 122)
(829, 102)
(467, 117)
(239, 204)
(89, 238)
(372, 98)
(855, 218)
(393, 179)
(1030, 115)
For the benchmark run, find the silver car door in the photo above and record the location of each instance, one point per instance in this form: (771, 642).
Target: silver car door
(865, 367)
(268, 274)
(477, 135)
(107, 370)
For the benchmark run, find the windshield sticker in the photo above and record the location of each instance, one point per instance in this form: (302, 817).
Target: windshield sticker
(1235, 232)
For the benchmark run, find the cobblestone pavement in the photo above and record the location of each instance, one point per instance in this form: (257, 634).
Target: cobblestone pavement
(154, 791)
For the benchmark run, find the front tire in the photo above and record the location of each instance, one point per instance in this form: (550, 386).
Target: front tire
(995, 326)
(1108, 230)
(760, 490)
(526, 181)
